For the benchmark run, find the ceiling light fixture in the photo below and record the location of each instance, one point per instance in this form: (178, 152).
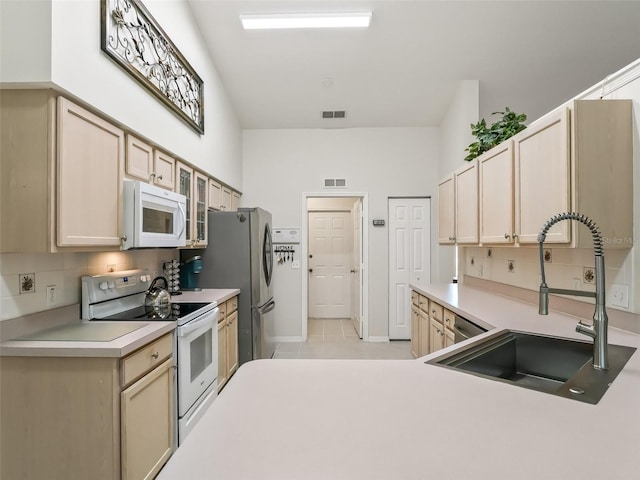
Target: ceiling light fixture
(306, 20)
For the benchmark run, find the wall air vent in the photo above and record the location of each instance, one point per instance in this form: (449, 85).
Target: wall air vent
(334, 114)
(335, 183)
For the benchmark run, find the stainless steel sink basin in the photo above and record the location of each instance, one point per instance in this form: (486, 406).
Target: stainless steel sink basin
(554, 365)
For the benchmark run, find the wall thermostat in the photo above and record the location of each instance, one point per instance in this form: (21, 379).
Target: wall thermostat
(378, 223)
(286, 235)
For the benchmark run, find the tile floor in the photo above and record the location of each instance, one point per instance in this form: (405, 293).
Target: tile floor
(337, 339)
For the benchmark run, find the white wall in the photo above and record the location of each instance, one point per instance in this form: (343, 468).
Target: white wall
(279, 165)
(71, 55)
(455, 136)
(25, 41)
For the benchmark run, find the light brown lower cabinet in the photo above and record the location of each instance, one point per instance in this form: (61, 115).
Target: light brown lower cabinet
(99, 418)
(227, 341)
(431, 326)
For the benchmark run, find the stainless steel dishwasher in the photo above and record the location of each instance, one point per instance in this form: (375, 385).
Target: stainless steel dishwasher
(464, 329)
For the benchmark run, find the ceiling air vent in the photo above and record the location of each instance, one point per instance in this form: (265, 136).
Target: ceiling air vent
(335, 183)
(334, 114)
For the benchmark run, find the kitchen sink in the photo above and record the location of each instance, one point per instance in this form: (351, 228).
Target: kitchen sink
(554, 365)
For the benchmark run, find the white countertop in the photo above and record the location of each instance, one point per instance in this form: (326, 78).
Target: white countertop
(118, 347)
(403, 419)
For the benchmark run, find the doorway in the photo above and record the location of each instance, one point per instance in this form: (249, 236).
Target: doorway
(409, 258)
(334, 247)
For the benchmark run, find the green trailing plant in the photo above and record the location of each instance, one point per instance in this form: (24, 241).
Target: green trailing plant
(488, 137)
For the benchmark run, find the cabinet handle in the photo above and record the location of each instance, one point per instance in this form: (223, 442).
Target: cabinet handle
(507, 236)
(159, 177)
(124, 238)
(514, 235)
(155, 355)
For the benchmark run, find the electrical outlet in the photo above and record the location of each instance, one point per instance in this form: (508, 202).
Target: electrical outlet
(295, 264)
(588, 276)
(620, 295)
(27, 282)
(511, 266)
(51, 295)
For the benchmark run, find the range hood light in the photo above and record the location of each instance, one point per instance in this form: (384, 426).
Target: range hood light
(306, 20)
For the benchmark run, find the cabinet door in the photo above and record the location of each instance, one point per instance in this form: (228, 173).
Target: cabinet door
(200, 209)
(222, 353)
(436, 335)
(415, 332)
(225, 200)
(139, 162)
(215, 194)
(90, 168)
(232, 343)
(496, 194)
(542, 178)
(235, 201)
(466, 204)
(147, 423)
(424, 334)
(449, 337)
(446, 211)
(164, 167)
(184, 177)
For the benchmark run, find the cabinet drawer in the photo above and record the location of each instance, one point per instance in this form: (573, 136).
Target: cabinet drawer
(222, 311)
(414, 298)
(449, 318)
(143, 360)
(435, 310)
(232, 305)
(423, 303)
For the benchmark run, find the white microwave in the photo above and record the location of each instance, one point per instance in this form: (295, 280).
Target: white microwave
(152, 216)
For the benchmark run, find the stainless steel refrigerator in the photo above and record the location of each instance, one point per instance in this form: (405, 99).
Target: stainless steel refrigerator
(240, 255)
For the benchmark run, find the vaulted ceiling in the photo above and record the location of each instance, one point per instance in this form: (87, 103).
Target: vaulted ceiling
(403, 69)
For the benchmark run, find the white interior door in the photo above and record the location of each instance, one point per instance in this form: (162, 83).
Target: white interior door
(330, 251)
(356, 269)
(409, 258)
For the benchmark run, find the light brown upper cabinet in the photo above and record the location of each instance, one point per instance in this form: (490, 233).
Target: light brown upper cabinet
(194, 186)
(225, 199)
(148, 164)
(458, 206)
(575, 159)
(235, 201)
(215, 194)
(62, 169)
(446, 211)
(495, 171)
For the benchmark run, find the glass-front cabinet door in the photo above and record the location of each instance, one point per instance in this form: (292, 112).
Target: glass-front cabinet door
(200, 209)
(185, 187)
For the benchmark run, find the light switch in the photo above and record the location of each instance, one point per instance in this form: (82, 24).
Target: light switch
(295, 264)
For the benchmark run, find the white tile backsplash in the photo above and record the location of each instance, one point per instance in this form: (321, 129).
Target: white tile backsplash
(564, 271)
(64, 270)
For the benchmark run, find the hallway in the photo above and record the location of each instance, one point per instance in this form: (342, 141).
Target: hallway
(337, 339)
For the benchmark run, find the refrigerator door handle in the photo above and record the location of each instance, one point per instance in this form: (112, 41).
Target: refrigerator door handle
(268, 307)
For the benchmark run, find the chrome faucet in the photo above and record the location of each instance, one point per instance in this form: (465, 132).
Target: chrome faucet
(598, 330)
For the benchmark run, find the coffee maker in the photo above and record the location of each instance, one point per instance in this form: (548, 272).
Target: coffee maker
(189, 271)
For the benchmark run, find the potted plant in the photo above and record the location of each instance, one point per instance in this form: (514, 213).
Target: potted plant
(488, 137)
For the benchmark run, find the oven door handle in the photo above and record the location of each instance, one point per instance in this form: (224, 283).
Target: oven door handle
(209, 319)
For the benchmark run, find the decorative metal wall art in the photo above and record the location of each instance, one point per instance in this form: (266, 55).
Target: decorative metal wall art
(135, 41)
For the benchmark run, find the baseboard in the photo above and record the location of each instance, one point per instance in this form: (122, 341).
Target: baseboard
(376, 339)
(287, 339)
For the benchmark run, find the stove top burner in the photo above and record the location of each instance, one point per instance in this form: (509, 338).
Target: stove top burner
(170, 312)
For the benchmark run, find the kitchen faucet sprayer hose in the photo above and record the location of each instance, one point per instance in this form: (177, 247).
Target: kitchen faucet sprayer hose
(591, 225)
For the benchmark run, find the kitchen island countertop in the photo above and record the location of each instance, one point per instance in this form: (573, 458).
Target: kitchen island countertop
(403, 419)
